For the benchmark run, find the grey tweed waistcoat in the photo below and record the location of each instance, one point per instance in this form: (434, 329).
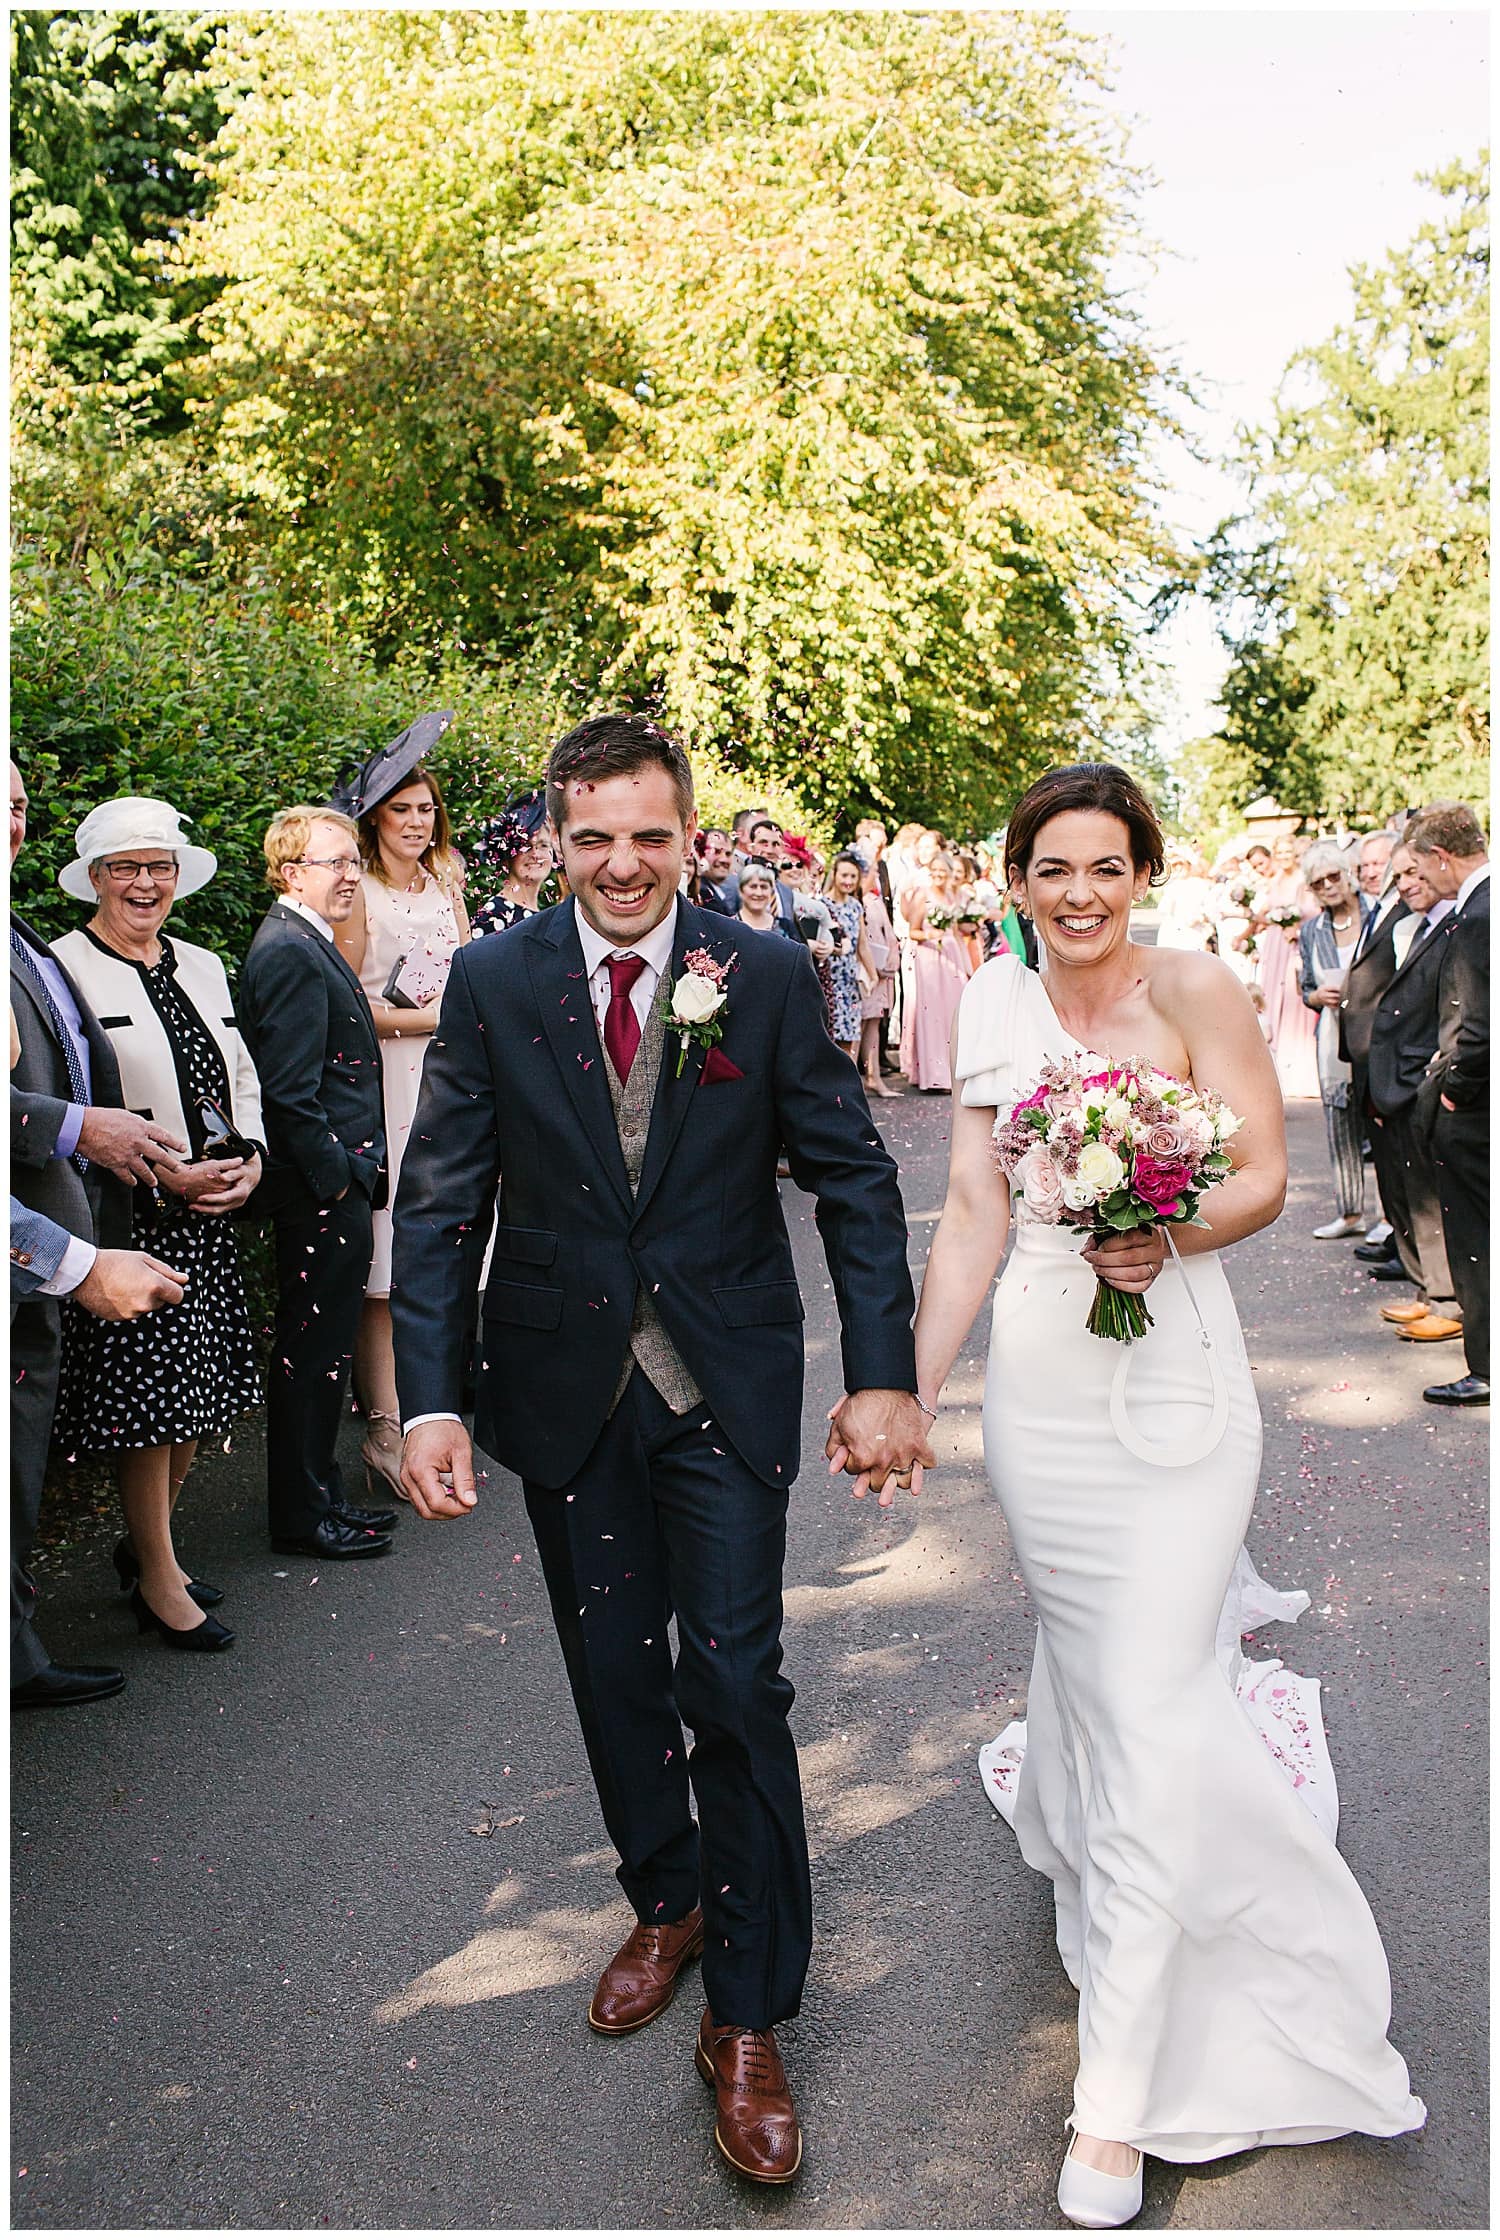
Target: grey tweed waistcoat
(650, 1347)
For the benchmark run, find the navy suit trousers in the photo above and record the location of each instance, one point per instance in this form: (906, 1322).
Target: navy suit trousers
(664, 1519)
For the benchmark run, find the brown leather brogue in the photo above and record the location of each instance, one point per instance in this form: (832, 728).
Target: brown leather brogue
(642, 1976)
(756, 2127)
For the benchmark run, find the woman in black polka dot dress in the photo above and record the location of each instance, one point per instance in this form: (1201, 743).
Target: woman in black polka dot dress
(150, 1390)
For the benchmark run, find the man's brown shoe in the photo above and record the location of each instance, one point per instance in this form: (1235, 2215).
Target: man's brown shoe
(642, 1976)
(756, 2127)
(1431, 1327)
(1413, 1310)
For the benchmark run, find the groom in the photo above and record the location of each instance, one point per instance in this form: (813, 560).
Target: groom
(655, 1424)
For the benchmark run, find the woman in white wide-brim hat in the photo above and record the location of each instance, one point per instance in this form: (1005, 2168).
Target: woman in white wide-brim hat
(148, 1391)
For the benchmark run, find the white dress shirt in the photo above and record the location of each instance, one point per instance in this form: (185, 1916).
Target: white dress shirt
(1404, 935)
(75, 1265)
(655, 948)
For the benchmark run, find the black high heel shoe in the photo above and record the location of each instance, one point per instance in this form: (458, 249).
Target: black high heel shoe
(209, 1635)
(128, 1571)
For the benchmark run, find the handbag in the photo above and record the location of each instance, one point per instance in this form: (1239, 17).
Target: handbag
(417, 979)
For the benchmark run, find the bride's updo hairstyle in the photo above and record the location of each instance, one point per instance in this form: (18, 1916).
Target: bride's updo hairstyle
(1102, 786)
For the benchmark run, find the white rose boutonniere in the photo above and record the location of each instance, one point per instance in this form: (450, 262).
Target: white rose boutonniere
(693, 1008)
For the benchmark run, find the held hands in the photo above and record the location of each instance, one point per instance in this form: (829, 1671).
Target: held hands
(880, 1439)
(1131, 1261)
(236, 1179)
(437, 1469)
(205, 1182)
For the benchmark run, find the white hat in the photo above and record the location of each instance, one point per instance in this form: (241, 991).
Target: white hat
(134, 821)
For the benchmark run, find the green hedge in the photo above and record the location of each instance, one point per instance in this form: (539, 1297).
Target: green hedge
(128, 679)
(125, 680)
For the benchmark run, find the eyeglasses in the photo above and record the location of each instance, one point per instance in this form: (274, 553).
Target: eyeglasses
(1327, 879)
(330, 863)
(124, 872)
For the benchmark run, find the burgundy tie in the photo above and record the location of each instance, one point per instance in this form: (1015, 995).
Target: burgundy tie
(622, 1029)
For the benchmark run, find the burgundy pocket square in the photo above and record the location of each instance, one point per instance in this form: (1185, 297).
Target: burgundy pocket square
(716, 1067)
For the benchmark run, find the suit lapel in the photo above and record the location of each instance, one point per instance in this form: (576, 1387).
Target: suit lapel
(1422, 941)
(554, 958)
(335, 960)
(104, 1066)
(674, 1090)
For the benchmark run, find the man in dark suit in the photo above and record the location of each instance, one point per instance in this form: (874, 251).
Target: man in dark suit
(765, 844)
(310, 1031)
(75, 1154)
(1448, 845)
(1370, 971)
(1403, 1035)
(654, 1422)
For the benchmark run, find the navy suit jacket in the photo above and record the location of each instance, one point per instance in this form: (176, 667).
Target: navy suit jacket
(95, 1206)
(309, 1029)
(1460, 1067)
(1404, 1029)
(514, 1092)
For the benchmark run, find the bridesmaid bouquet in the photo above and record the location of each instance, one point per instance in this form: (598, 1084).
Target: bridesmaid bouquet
(1128, 1148)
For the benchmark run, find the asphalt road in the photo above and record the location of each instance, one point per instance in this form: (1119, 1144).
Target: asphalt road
(305, 1933)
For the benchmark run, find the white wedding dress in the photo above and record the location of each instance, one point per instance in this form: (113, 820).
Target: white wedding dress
(1233, 1991)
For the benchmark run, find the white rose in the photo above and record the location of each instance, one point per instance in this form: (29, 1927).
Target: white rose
(1100, 1170)
(1117, 1112)
(1077, 1196)
(695, 999)
(1225, 1124)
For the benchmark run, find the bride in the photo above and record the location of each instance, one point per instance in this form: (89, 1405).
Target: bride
(1232, 1988)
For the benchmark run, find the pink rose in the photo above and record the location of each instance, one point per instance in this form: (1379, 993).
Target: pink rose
(1160, 1182)
(1040, 1184)
(1169, 1142)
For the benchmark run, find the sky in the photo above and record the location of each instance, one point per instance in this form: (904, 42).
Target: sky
(1285, 145)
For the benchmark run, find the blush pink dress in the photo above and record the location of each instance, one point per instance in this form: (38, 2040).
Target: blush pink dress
(1290, 1028)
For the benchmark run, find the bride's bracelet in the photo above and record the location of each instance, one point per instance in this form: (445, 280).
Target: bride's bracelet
(930, 1413)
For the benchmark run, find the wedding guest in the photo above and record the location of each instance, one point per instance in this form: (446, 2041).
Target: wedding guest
(1185, 904)
(76, 1153)
(757, 891)
(764, 844)
(870, 846)
(1327, 944)
(1290, 1028)
(851, 968)
(875, 1006)
(1402, 1038)
(148, 1392)
(1372, 863)
(1370, 971)
(940, 971)
(713, 860)
(1448, 845)
(399, 938)
(308, 1023)
(517, 847)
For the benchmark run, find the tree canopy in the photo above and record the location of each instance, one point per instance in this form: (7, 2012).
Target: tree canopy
(767, 367)
(1355, 588)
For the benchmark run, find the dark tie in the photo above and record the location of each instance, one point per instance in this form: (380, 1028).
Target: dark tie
(622, 1029)
(77, 1085)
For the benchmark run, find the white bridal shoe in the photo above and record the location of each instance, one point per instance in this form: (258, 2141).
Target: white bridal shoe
(1094, 2200)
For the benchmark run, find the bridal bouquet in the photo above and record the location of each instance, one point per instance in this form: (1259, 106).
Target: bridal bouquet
(1128, 1148)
